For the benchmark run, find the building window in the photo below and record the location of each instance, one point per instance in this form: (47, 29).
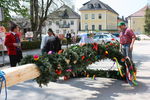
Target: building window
(86, 27)
(90, 6)
(64, 22)
(72, 31)
(57, 22)
(50, 22)
(93, 27)
(86, 16)
(100, 16)
(93, 16)
(97, 5)
(57, 31)
(72, 22)
(64, 31)
(100, 27)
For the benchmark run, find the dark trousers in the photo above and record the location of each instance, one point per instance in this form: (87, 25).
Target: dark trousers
(14, 59)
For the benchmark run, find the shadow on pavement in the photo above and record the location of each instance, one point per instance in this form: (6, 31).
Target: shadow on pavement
(99, 89)
(31, 91)
(107, 90)
(138, 59)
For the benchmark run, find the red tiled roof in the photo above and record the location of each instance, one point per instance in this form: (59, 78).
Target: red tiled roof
(140, 13)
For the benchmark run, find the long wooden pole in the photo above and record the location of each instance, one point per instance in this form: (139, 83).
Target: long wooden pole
(19, 74)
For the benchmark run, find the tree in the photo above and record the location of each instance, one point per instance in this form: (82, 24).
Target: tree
(147, 21)
(12, 6)
(39, 11)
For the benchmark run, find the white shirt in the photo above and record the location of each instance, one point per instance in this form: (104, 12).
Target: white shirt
(13, 33)
(29, 34)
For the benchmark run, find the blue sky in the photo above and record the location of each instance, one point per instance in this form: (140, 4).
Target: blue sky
(123, 7)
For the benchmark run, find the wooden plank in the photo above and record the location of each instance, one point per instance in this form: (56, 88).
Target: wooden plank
(19, 74)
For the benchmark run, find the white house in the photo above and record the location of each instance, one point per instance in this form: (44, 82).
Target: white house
(62, 21)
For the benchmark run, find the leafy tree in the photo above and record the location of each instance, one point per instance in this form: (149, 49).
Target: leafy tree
(147, 21)
(12, 6)
(39, 11)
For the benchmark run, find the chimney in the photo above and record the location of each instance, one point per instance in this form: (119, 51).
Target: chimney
(73, 7)
(122, 17)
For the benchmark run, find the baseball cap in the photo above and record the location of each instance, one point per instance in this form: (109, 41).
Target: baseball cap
(121, 23)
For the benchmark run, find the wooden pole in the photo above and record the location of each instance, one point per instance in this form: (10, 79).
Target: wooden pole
(19, 74)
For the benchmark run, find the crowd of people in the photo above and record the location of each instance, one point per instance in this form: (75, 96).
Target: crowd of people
(52, 43)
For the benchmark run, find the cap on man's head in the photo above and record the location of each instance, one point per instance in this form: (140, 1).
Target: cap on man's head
(121, 24)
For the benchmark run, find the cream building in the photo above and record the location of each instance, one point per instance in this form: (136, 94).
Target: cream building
(98, 16)
(136, 21)
(62, 21)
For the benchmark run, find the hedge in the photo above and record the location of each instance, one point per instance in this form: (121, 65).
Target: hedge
(29, 45)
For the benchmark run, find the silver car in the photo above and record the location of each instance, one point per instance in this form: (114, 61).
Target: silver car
(105, 38)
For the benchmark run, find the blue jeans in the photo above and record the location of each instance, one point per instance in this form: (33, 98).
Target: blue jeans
(126, 51)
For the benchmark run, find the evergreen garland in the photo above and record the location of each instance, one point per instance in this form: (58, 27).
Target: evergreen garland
(73, 62)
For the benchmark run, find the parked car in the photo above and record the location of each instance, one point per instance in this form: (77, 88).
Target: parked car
(143, 37)
(116, 38)
(115, 34)
(104, 38)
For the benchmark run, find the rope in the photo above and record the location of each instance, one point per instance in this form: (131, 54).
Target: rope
(119, 68)
(130, 75)
(3, 79)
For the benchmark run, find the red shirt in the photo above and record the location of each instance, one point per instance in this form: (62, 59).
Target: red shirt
(126, 36)
(9, 40)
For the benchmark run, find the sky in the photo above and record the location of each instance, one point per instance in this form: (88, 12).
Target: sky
(123, 7)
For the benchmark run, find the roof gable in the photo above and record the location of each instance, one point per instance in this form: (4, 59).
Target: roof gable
(64, 12)
(139, 13)
(96, 5)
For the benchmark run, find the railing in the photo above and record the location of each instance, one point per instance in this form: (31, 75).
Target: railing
(64, 26)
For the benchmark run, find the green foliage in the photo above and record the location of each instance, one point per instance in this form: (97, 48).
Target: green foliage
(64, 41)
(104, 73)
(29, 45)
(147, 22)
(12, 6)
(74, 61)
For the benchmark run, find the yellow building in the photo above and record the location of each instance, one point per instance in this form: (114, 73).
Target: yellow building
(98, 16)
(136, 21)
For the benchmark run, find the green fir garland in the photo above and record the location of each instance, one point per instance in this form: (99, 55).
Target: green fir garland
(74, 61)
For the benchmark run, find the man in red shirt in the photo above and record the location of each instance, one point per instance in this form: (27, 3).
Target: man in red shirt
(127, 39)
(13, 44)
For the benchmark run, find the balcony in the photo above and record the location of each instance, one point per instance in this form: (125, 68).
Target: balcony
(64, 26)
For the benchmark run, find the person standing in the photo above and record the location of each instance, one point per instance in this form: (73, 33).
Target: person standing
(74, 38)
(68, 37)
(13, 45)
(50, 43)
(127, 39)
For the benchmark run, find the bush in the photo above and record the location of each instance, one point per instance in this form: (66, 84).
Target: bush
(29, 45)
(138, 38)
(64, 41)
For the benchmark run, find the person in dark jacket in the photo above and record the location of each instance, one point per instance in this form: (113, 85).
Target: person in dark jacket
(53, 43)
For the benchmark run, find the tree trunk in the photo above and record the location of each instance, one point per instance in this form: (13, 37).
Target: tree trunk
(32, 14)
(34, 18)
